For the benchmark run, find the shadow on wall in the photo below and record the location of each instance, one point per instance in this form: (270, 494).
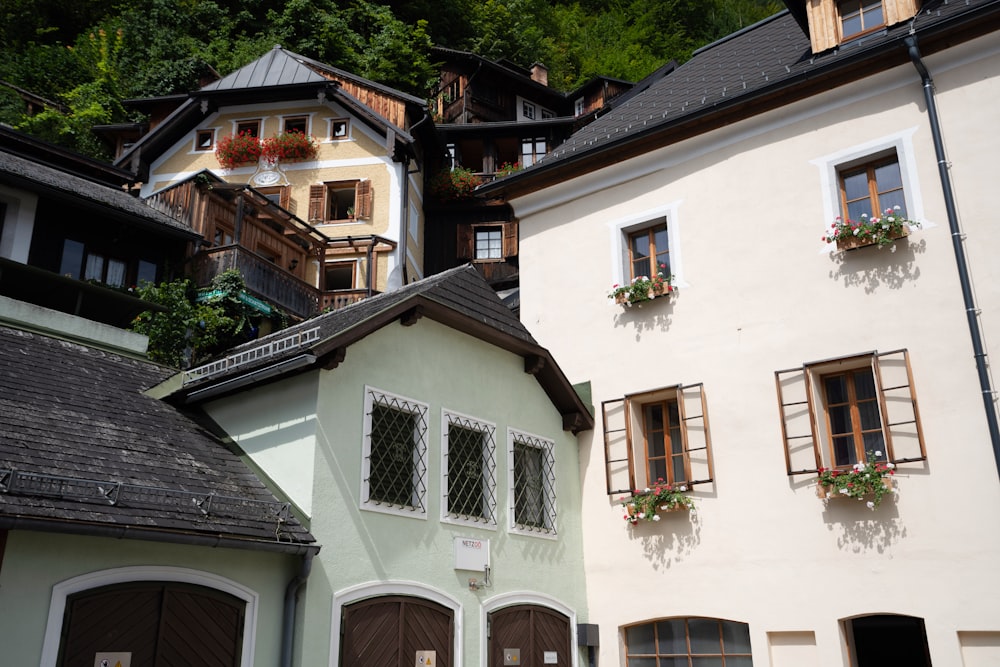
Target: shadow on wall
(871, 267)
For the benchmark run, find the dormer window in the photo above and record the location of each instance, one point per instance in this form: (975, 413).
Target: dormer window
(859, 16)
(834, 22)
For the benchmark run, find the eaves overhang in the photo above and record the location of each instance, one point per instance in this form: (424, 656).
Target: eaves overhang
(330, 351)
(861, 61)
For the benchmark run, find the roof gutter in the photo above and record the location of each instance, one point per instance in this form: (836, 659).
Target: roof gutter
(119, 532)
(971, 311)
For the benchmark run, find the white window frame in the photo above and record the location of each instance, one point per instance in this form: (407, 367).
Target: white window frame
(578, 106)
(830, 166)
(620, 229)
(549, 508)
(488, 479)
(329, 129)
(418, 508)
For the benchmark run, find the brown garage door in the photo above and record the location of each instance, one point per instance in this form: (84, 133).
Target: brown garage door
(159, 624)
(526, 635)
(389, 632)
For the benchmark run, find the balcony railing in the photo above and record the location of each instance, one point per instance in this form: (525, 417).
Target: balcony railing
(262, 278)
(336, 299)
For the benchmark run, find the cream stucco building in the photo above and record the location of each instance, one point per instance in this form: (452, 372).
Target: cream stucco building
(777, 353)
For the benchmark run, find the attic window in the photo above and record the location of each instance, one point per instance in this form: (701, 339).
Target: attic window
(338, 129)
(833, 22)
(296, 124)
(205, 140)
(250, 127)
(859, 16)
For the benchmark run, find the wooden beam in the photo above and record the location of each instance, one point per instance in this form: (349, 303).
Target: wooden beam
(335, 358)
(533, 364)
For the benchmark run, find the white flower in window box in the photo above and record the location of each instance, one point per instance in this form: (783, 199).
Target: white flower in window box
(879, 231)
(648, 503)
(869, 481)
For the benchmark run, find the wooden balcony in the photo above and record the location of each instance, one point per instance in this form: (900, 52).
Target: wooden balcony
(263, 279)
(271, 283)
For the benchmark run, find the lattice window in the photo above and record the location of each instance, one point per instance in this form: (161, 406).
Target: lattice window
(532, 484)
(395, 457)
(470, 469)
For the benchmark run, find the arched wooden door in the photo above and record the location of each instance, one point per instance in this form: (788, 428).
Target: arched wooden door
(156, 624)
(396, 631)
(530, 636)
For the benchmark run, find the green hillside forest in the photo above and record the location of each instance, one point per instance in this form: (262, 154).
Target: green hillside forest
(87, 56)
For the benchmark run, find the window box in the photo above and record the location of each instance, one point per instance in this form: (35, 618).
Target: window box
(649, 504)
(865, 482)
(642, 289)
(860, 241)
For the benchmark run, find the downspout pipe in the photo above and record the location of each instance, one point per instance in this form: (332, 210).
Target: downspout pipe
(291, 601)
(971, 311)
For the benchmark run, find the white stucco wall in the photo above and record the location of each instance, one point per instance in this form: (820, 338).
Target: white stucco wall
(759, 292)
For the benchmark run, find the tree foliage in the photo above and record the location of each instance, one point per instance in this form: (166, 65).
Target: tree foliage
(89, 55)
(190, 330)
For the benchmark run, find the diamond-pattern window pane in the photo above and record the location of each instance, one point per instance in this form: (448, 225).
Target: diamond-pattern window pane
(534, 484)
(471, 470)
(398, 453)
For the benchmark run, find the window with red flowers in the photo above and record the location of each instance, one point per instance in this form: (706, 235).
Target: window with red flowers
(657, 435)
(838, 412)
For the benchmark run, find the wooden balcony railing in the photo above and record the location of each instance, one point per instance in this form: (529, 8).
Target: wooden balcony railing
(263, 279)
(270, 282)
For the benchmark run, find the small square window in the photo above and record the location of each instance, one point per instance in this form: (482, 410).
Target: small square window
(528, 110)
(532, 150)
(298, 124)
(649, 251)
(548, 114)
(395, 453)
(532, 484)
(657, 435)
(248, 127)
(204, 140)
(864, 406)
(470, 469)
(339, 129)
(489, 243)
(871, 188)
(578, 107)
(858, 17)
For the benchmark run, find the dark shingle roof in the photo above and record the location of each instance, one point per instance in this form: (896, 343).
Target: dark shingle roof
(770, 57)
(35, 176)
(460, 298)
(74, 425)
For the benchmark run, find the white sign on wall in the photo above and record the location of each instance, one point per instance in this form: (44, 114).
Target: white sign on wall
(472, 554)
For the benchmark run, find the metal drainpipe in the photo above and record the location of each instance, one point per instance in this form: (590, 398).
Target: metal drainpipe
(971, 311)
(291, 600)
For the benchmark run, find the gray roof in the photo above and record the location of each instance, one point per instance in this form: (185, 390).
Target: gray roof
(34, 176)
(277, 67)
(81, 445)
(460, 298)
(770, 57)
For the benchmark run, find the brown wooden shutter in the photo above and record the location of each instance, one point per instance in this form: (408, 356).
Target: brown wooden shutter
(465, 242)
(696, 438)
(618, 460)
(899, 10)
(363, 200)
(510, 239)
(317, 201)
(823, 29)
(904, 437)
(798, 421)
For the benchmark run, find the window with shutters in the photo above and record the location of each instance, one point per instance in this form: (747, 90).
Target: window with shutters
(469, 470)
(394, 475)
(833, 22)
(487, 242)
(657, 435)
(340, 201)
(838, 412)
(531, 484)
